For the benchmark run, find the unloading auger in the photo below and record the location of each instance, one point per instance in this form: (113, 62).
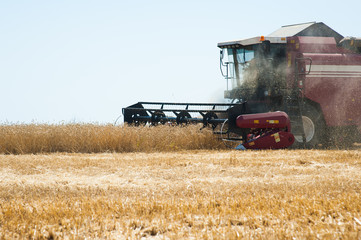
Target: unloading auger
(233, 123)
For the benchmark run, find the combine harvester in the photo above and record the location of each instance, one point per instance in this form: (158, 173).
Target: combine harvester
(306, 76)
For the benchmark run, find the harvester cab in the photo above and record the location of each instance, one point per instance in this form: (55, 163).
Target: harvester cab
(254, 69)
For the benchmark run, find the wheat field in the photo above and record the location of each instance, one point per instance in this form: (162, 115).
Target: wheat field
(93, 138)
(174, 192)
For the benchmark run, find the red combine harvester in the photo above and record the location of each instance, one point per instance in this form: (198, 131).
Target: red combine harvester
(306, 76)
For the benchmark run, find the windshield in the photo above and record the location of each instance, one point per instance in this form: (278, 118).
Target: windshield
(255, 71)
(239, 60)
(244, 55)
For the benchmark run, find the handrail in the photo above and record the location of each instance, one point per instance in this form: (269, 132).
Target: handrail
(303, 59)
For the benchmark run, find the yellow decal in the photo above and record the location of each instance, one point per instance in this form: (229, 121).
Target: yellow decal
(277, 137)
(273, 121)
(292, 41)
(256, 121)
(251, 143)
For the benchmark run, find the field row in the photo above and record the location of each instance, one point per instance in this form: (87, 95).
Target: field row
(186, 194)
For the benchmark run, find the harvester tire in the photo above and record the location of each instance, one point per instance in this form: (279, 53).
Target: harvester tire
(314, 127)
(343, 137)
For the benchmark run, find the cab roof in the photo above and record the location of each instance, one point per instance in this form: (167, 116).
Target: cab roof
(279, 36)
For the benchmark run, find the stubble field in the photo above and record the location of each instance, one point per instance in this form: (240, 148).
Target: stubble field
(204, 192)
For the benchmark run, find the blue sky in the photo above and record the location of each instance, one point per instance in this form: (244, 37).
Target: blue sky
(82, 61)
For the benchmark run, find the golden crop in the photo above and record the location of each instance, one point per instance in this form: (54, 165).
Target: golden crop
(144, 190)
(92, 138)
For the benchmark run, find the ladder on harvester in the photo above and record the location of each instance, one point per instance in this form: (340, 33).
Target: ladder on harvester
(294, 101)
(294, 111)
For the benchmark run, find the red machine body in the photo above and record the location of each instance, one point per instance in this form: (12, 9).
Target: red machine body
(332, 80)
(267, 130)
(264, 120)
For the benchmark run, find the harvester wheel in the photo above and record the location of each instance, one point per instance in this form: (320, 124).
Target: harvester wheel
(229, 138)
(343, 137)
(182, 117)
(135, 121)
(208, 117)
(314, 128)
(156, 118)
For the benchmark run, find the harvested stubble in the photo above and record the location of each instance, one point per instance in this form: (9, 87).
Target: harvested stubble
(92, 138)
(286, 194)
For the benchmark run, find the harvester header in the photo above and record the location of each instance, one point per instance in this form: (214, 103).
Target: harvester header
(231, 122)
